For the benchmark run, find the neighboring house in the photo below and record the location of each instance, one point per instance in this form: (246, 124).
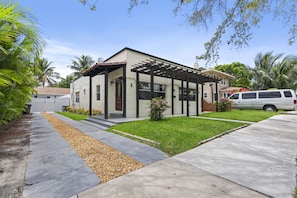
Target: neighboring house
(223, 85)
(50, 99)
(124, 84)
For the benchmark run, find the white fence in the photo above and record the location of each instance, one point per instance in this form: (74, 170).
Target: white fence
(48, 104)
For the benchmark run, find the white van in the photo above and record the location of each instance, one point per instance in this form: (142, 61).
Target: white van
(268, 100)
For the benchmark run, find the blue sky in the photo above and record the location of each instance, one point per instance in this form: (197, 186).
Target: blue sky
(71, 29)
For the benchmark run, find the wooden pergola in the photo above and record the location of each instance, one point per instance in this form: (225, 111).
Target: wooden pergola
(157, 67)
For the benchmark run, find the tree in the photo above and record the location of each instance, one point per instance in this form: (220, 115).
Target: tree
(269, 72)
(82, 63)
(65, 83)
(46, 74)
(241, 72)
(19, 44)
(235, 19)
(285, 73)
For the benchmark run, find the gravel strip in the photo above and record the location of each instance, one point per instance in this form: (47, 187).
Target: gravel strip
(104, 160)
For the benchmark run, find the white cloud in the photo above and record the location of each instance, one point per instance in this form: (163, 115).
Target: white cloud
(62, 54)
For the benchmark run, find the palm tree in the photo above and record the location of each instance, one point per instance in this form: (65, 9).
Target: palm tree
(19, 43)
(82, 63)
(46, 74)
(263, 71)
(268, 73)
(285, 73)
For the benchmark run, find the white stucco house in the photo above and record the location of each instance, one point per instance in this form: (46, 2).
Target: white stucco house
(223, 85)
(124, 84)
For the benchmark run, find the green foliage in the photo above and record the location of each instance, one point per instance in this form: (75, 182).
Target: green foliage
(83, 111)
(74, 116)
(224, 104)
(269, 72)
(45, 73)
(81, 64)
(19, 45)
(65, 82)
(157, 108)
(236, 20)
(240, 71)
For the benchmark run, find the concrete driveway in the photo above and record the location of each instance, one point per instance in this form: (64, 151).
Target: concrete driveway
(256, 161)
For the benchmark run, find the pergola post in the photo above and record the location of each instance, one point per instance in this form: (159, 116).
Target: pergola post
(202, 95)
(217, 98)
(182, 97)
(90, 97)
(197, 97)
(124, 91)
(172, 96)
(106, 94)
(152, 82)
(137, 94)
(188, 103)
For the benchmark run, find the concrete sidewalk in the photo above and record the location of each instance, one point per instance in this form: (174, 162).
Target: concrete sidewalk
(256, 161)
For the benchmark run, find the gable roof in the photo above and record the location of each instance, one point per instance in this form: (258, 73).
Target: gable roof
(159, 66)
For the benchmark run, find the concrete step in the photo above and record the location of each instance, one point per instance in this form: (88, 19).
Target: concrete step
(94, 125)
(100, 121)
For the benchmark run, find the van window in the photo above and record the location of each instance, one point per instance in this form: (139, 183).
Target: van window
(274, 94)
(234, 96)
(288, 94)
(248, 95)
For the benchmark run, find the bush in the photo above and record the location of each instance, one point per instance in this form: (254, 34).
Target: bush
(157, 107)
(83, 111)
(224, 104)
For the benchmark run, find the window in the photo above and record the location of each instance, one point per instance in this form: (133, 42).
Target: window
(234, 97)
(288, 94)
(271, 94)
(192, 94)
(84, 91)
(98, 92)
(145, 90)
(249, 95)
(77, 96)
(205, 95)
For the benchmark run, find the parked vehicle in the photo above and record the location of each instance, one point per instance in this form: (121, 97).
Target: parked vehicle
(268, 100)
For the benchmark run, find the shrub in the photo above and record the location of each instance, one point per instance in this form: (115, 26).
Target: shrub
(157, 107)
(83, 111)
(224, 104)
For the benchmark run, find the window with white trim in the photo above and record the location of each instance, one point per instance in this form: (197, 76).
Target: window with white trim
(77, 97)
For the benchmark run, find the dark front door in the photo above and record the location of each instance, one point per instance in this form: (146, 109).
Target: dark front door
(119, 94)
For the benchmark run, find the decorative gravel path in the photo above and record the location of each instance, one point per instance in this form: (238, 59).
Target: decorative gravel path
(104, 160)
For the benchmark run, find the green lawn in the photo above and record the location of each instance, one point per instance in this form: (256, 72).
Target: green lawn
(74, 116)
(179, 134)
(176, 134)
(246, 115)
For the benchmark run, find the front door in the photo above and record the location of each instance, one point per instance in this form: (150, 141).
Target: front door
(119, 94)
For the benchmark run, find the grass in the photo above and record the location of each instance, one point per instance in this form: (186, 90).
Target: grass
(74, 116)
(179, 134)
(176, 134)
(245, 115)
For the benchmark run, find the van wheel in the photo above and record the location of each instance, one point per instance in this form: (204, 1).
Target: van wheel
(269, 108)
